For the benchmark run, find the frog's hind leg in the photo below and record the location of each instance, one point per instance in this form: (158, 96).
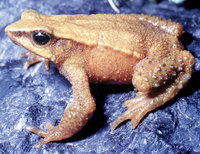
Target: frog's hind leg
(157, 83)
(34, 59)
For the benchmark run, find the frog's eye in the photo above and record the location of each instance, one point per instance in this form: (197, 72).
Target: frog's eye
(41, 38)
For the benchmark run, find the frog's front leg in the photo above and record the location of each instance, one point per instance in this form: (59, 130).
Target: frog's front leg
(33, 60)
(76, 114)
(158, 79)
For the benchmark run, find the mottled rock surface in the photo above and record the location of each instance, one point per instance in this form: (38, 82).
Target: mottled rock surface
(35, 97)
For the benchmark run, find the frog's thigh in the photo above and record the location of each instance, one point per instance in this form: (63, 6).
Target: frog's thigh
(158, 79)
(162, 69)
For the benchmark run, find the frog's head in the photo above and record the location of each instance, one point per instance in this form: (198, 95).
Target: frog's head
(31, 33)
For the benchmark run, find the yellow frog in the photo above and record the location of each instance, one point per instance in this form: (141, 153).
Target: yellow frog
(139, 49)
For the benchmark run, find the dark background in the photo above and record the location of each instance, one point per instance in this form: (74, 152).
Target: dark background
(35, 97)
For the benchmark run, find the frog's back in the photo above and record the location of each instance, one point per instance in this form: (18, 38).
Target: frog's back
(120, 32)
(126, 33)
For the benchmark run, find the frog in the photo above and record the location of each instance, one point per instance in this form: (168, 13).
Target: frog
(138, 49)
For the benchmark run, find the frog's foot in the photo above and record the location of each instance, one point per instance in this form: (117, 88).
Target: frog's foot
(137, 109)
(34, 59)
(52, 134)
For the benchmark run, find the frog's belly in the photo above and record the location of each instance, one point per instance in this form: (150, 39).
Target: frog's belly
(106, 65)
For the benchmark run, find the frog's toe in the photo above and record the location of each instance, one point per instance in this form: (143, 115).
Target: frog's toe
(135, 120)
(46, 64)
(49, 126)
(40, 143)
(49, 138)
(43, 141)
(33, 60)
(29, 62)
(25, 54)
(131, 113)
(52, 134)
(125, 104)
(132, 102)
(39, 132)
(137, 109)
(120, 119)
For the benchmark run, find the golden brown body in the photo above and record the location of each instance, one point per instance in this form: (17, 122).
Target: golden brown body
(118, 49)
